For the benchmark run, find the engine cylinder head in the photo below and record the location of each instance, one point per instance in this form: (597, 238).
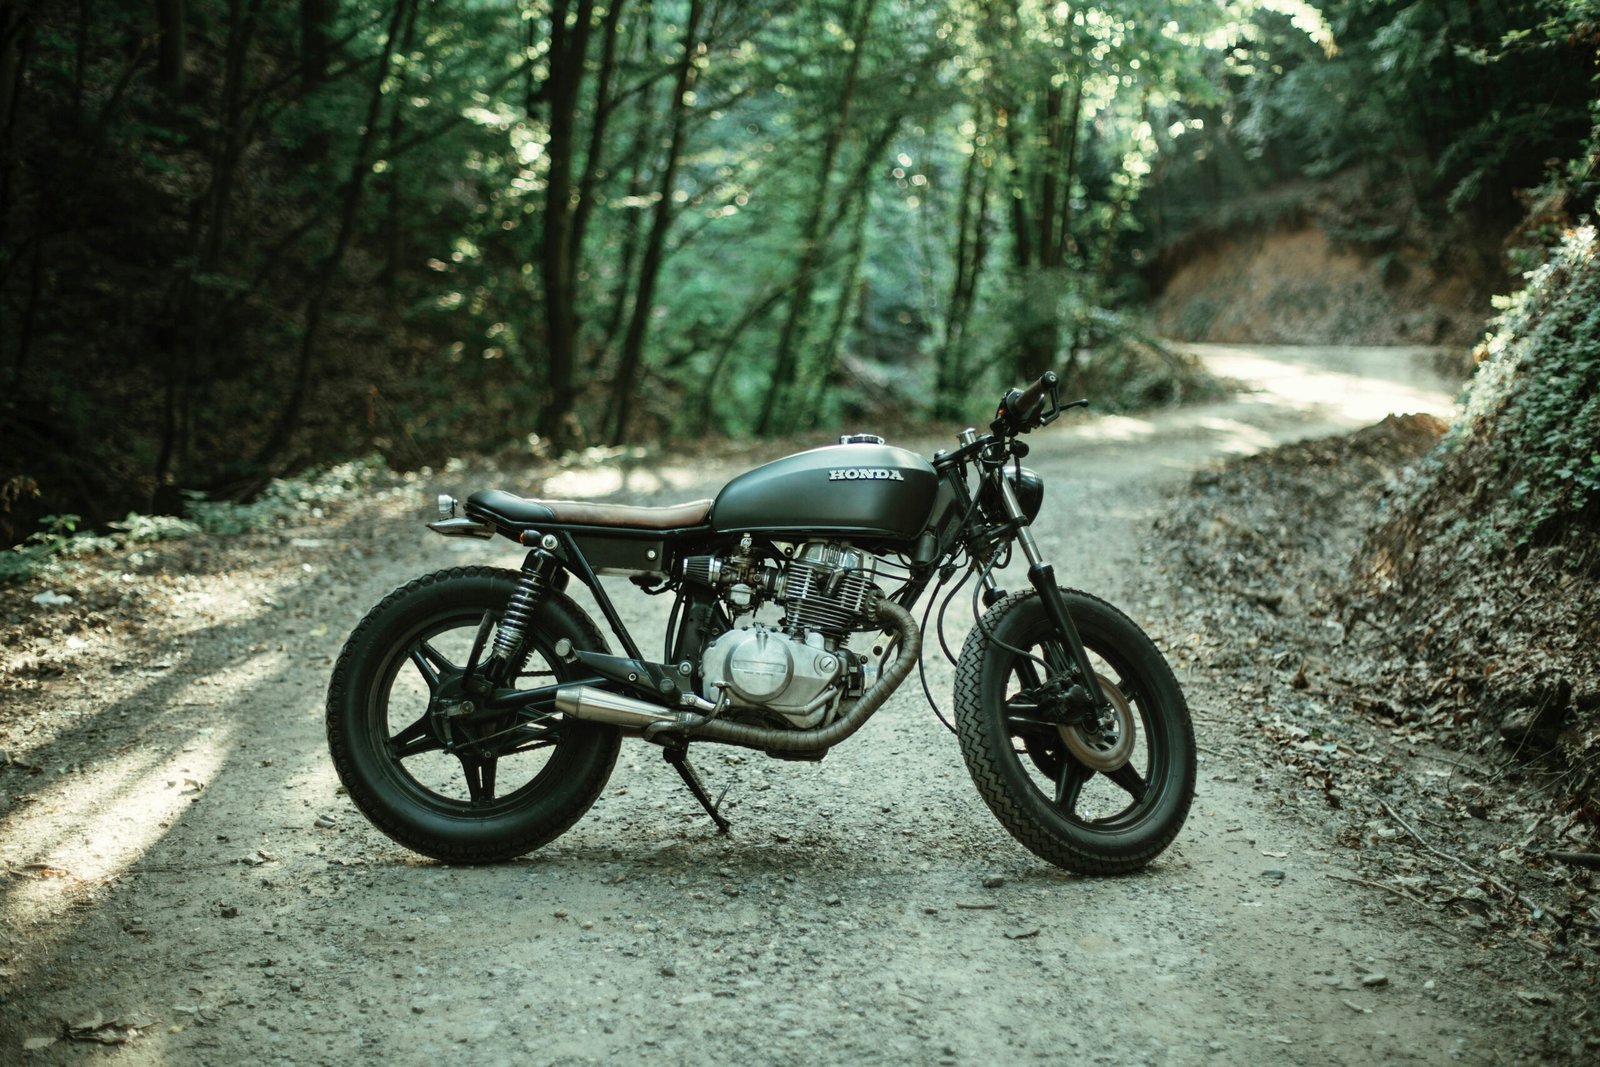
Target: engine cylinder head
(829, 588)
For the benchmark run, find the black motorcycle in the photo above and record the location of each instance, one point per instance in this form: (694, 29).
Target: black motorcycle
(475, 713)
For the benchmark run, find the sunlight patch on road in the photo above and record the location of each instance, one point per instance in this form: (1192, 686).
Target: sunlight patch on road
(1359, 386)
(88, 828)
(1115, 428)
(1235, 438)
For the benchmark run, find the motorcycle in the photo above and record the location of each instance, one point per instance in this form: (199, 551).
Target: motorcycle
(782, 638)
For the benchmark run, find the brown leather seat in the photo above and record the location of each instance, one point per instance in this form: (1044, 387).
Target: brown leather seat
(528, 511)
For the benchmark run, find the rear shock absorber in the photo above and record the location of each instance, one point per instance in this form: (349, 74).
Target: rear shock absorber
(510, 637)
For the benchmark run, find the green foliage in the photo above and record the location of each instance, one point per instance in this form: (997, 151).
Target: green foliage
(893, 207)
(57, 539)
(1456, 107)
(1532, 411)
(285, 501)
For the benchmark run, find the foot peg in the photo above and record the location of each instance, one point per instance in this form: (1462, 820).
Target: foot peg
(679, 758)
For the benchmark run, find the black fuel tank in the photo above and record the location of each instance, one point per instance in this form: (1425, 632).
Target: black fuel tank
(859, 490)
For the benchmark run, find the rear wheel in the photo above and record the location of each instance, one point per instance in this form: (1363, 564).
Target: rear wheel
(1098, 798)
(461, 789)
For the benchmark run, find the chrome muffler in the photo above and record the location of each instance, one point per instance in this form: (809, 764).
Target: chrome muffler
(601, 705)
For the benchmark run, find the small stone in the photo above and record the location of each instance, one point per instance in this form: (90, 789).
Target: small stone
(560, 914)
(994, 881)
(417, 1007)
(229, 912)
(1272, 874)
(668, 971)
(1375, 979)
(1216, 1046)
(586, 925)
(324, 822)
(834, 902)
(296, 985)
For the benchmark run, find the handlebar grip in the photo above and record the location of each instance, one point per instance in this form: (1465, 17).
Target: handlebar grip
(1027, 400)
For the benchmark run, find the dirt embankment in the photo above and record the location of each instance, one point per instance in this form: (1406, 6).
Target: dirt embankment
(1299, 285)
(1343, 261)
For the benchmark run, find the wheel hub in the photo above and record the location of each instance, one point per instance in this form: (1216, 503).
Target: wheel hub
(1107, 745)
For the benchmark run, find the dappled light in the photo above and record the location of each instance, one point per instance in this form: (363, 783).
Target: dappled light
(1359, 385)
(83, 832)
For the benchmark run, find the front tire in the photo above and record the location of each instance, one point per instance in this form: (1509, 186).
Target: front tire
(451, 801)
(1035, 777)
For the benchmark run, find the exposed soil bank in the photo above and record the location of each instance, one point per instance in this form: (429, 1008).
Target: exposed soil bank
(1301, 285)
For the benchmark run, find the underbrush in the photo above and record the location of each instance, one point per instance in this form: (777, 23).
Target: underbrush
(60, 541)
(1482, 572)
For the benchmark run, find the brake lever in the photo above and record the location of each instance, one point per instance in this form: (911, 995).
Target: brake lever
(1057, 407)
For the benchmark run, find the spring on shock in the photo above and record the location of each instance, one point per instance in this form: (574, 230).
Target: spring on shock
(508, 636)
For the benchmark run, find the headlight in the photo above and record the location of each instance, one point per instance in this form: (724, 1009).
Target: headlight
(1029, 488)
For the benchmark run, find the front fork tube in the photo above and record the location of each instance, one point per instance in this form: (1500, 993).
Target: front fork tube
(1043, 577)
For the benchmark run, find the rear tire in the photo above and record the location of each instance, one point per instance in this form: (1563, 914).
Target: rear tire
(1033, 779)
(383, 729)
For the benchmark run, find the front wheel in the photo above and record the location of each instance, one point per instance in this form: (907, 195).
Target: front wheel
(461, 790)
(1101, 798)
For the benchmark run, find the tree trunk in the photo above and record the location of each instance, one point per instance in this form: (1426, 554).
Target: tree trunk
(557, 271)
(603, 107)
(1021, 245)
(660, 222)
(785, 358)
(849, 296)
(393, 223)
(211, 215)
(972, 249)
(316, 40)
(172, 49)
(15, 32)
(1065, 242)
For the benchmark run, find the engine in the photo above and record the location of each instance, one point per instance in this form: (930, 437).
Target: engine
(799, 668)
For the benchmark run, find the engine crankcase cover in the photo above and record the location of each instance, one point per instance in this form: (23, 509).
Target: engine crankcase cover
(765, 668)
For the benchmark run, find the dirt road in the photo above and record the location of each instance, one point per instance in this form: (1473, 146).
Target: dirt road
(182, 862)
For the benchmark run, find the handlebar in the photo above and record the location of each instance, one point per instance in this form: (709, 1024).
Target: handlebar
(1019, 409)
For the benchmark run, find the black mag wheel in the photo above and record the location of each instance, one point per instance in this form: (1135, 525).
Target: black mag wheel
(471, 791)
(1099, 799)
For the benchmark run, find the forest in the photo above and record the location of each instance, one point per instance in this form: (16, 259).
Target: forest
(239, 238)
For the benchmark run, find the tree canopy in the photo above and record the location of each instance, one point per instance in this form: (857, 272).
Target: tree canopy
(237, 237)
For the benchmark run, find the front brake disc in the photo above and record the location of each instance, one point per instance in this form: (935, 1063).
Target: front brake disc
(1108, 747)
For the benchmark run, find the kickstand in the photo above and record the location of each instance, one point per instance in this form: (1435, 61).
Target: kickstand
(679, 758)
